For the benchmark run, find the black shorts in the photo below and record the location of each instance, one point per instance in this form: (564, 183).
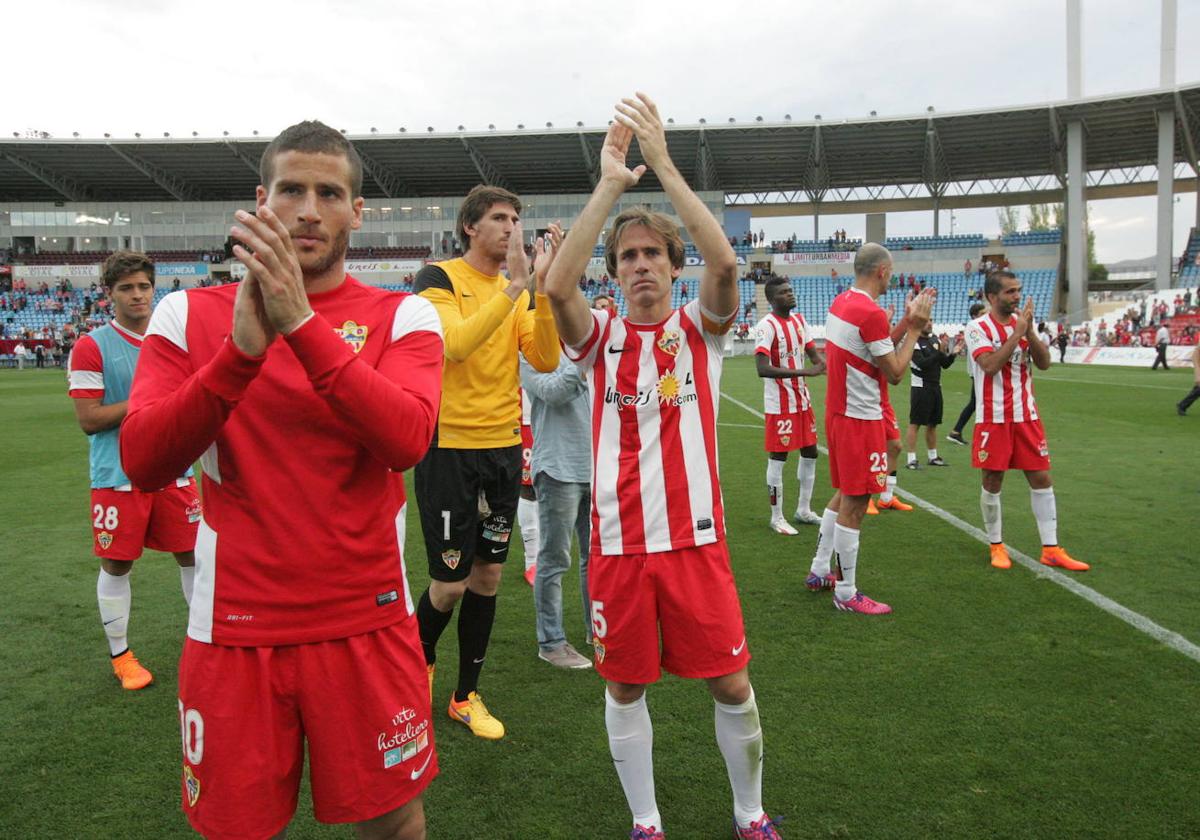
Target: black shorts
(452, 486)
(925, 406)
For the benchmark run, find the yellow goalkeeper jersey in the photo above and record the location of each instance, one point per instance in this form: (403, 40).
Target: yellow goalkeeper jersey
(483, 332)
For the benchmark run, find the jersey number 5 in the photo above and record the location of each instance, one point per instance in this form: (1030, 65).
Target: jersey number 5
(599, 623)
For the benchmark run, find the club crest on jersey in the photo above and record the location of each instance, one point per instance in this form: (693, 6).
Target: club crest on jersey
(192, 785)
(669, 342)
(105, 539)
(881, 479)
(598, 646)
(1043, 449)
(983, 456)
(353, 334)
(451, 558)
(785, 439)
(193, 511)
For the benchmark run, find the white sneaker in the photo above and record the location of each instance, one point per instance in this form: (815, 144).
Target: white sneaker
(565, 657)
(807, 517)
(780, 526)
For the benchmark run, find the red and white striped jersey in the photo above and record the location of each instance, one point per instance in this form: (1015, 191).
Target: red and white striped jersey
(856, 331)
(783, 341)
(654, 390)
(1006, 397)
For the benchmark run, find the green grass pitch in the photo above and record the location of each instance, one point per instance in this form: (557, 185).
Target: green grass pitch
(989, 705)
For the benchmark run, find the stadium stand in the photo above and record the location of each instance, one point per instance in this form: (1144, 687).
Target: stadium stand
(1189, 272)
(924, 243)
(1033, 237)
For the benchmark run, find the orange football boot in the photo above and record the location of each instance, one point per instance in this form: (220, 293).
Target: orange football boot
(130, 672)
(871, 509)
(894, 504)
(1054, 555)
(1000, 558)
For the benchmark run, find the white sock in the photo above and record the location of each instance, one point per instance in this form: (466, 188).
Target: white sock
(845, 543)
(631, 743)
(527, 520)
(739, 735)
(187, 579)
(912, 457)
(775, 487)
(889, 491)
(1046, 514)
(989, 503)
(114, 596)
(932, 454)
(821, 560)
(806, 473)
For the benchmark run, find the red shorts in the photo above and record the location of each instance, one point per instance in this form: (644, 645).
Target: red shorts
(857, 454)
(787, 432)
(125, 521)
(688, 595)
(362, 704)
(526, 456)
(1010, 446)
(891, 429)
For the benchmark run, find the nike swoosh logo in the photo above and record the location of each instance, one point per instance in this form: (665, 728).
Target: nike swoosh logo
(478, 661)
(498, 550)
(420, 771)
(616, 349)
(111, 620)
(738, 650)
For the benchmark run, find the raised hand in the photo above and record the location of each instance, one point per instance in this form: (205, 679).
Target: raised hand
(266, 250)
(518, 263)
(640, 115)
(921, 310)
(543, 257)
(1025, 319)
(252, 332)
(613, 154)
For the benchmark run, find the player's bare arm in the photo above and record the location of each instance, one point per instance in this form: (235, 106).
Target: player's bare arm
(769, 371)
(1038, 351)
(571, 312)
(94, 417)
(718, 286)
(895, 364)
(266, 250)
(992, 362)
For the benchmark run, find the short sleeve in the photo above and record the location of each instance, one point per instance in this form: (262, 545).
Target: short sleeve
(584, 354)
(85, 375)
(978, 342)
(764, 337)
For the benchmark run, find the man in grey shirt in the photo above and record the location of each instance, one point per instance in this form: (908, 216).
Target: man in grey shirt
(560, 413)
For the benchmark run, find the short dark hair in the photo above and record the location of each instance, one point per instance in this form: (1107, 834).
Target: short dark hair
(478, 201)
(312, 137)
(992, 284)
(120, 264)
(658, 223)
(977, 309)
(774, 283)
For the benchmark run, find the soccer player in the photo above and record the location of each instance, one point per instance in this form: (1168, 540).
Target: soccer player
(659, 562)
(487, 320)
(1008, 431)
(968, 411)
(124, 519)
(305, 393)
(925, 395)
(782, 337)
(1184, 404)
(861, 358)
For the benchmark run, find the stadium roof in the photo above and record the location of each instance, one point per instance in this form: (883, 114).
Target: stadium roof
(759, 157)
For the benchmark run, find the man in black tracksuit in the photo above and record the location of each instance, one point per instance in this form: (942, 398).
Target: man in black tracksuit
(925, 403)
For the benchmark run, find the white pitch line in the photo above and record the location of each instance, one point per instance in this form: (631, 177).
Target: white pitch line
(740, 425)
(1136, 620)
(1041, 377)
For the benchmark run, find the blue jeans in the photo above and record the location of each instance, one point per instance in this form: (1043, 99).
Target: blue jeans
(562, 506)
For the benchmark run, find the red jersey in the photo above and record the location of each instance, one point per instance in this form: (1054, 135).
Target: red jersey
(856, 331)
(1006, 397)
(783, 341)
(654, 390)
(303, 532)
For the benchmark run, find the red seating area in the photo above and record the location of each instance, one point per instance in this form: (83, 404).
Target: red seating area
(1185, 329)
(405, 253)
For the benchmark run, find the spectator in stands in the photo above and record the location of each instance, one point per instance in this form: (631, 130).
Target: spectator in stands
(967, 269)
(20, 351)
(1162, 340)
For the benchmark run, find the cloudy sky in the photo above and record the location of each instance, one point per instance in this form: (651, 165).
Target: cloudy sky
(161, 65)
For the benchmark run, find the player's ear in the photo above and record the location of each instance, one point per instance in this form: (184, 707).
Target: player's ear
(356, 223)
